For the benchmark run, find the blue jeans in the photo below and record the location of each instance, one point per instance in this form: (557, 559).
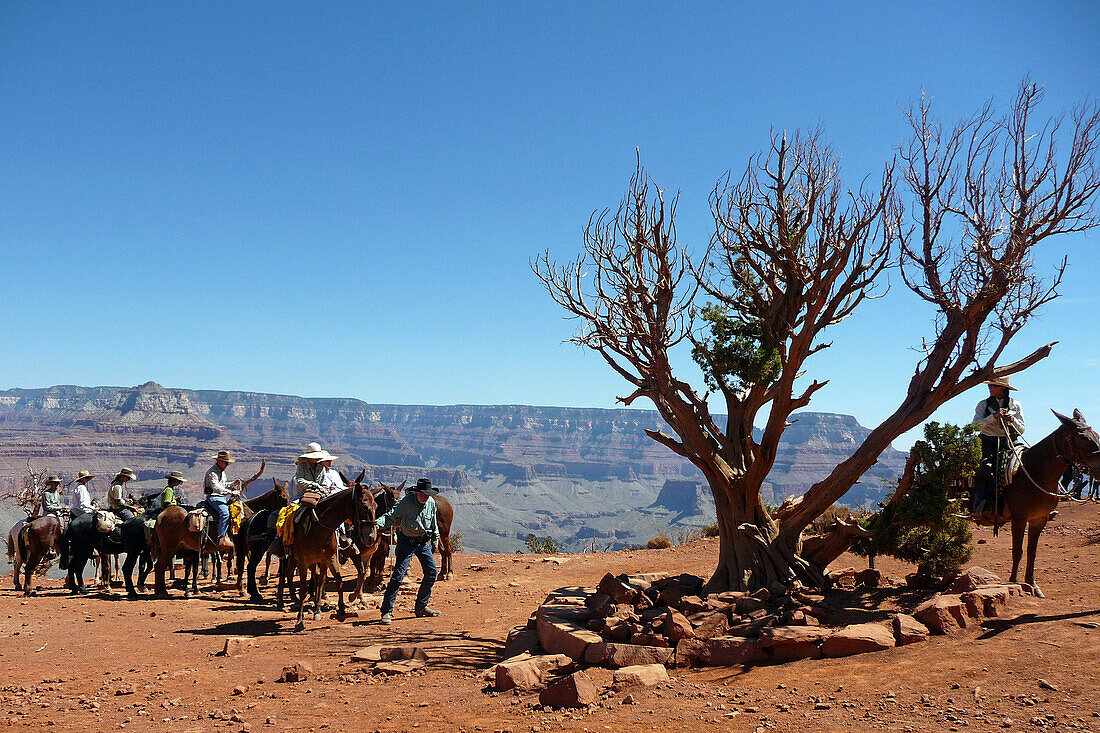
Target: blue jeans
(406, 548)
(220, 509)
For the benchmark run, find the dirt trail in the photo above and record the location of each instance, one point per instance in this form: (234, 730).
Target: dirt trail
(102, 662)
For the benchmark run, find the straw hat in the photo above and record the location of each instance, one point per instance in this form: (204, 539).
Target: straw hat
(83, 476)
(175, 475)
(127, 472)
(53, 479)
(1001, 382)
(223, 455)
(329, 457)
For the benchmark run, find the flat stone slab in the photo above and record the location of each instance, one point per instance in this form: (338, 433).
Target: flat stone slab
(403, 666)
(558, 636)
(615, 655)
(858, 639)
(640, 675)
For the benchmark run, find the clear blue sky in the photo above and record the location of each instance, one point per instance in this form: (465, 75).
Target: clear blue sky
(342, 200)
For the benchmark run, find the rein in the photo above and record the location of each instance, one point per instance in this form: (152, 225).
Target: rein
(1019, 454)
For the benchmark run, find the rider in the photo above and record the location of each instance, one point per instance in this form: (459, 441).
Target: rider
(82, 500)
(417, 531)
(310, 475)
(220, 492)
(122, 508)
(168, 496)
(1000, 420)
(51, 497)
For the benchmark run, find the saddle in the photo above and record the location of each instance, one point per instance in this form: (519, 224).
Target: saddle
(198, 520)
(106, 522)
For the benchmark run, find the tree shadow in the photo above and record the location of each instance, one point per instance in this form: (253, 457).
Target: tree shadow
(999, 626)
(849, 606)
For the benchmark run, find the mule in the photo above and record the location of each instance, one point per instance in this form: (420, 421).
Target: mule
(313, 552)
(172, 532)
(84, 538)
(1031, 498)
(255, 536)
(365, 545)
(29, 543)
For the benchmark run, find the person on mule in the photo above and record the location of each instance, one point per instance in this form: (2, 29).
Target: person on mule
(116, 502)
(169, 496)
(417, 531)
(1000, 421)
(220, 491)
(310, 475)
(82, 500)
(51, 497)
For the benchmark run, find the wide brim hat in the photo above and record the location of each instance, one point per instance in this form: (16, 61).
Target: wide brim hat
(223, 455)
(314, 451)
(329, 456)
(1001, 382)
(175, 475)
(82, 475)
(53, 479)
(128, 472)
(424, 486)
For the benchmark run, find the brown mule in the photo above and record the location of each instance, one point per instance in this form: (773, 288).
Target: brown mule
(29, 542)
(313, 552)
(171, 533)
(1032, 497)
(366, 544)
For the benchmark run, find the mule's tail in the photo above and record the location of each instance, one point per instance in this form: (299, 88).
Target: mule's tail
(11, 549)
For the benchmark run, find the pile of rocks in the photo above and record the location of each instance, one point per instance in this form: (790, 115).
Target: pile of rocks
(632, 621)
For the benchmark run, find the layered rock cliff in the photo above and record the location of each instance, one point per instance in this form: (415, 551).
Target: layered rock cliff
(579, 475)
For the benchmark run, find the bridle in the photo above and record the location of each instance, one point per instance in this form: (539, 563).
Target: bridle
(1067, 442)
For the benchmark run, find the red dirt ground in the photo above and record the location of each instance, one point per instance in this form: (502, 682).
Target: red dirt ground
(103, 663)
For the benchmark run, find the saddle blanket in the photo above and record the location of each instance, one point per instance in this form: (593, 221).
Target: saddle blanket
(284, 525)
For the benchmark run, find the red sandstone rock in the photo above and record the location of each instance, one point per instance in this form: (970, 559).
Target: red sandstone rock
(610, 654)
(858, 639)
(644, 675)
(943, 614)
(563, 637)
(727, 651)
(907, 630)
(575, 691)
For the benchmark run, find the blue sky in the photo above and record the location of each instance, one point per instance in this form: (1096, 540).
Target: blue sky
(343, 200)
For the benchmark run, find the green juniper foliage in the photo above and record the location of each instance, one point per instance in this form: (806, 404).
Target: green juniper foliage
(542, 545)
(735, 352)
(926, 526)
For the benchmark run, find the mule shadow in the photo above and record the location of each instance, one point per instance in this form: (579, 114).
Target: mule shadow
(999, 626)
(266, 627)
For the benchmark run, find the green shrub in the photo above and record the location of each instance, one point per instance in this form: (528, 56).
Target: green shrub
(660, 542)
(711, 530)
(542, 545)
(926, 526)
(456, 542)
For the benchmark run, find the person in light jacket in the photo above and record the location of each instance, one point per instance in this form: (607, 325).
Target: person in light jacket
(417, 531)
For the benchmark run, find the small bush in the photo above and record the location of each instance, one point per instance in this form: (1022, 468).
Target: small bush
(711, 530)
(542, 545)
(456, 542)
(660, 542)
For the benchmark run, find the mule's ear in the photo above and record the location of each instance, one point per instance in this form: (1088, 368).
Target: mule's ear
(361, 475)
(1077, 416)
(400, 488)
(1062, 418)
(344, 478)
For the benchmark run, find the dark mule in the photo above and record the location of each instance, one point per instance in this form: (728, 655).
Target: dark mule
(313, 552)
(1032, 496)
(256, 535)
(365, 545)
(83, 539)
(29, 543)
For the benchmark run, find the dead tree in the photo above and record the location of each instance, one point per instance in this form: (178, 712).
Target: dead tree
(795, 253)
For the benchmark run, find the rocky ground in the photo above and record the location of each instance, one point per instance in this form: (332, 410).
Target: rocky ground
(102, 662)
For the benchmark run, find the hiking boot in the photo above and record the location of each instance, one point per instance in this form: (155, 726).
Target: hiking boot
(387, 619)
(426, 612)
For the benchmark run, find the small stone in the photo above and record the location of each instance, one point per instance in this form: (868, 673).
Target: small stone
(628, 700)
(238, 690)
(1047, 686)
(297, 672)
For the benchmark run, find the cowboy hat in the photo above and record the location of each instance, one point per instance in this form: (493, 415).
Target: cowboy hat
(1000, 382)
(223, 455)
(328, 456)
(127, 472)
(175, 475)
(83, 475)
(313, 451)
(424, 486)
(53, 479)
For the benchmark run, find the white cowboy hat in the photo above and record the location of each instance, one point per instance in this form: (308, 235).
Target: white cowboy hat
(329, 457)
(313, 451)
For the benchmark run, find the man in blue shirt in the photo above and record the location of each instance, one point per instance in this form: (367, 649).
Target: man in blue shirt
(417, 532)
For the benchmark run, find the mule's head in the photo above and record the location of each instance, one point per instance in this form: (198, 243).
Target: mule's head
(386, 497)
(1079, 443)
(366, 509)
(281, 488)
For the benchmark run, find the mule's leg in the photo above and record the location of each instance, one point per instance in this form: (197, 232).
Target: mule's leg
(445, 552)
(17, 572)
(322, 573)
(30, 565)
(254, 554)
(341, 613)
(267, 568)
(128, 574)
(303, 574)
(1034, 529)
(1018, 527)
(360, 577)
